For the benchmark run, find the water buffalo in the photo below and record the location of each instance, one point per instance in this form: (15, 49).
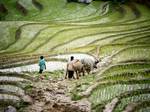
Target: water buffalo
(74, 66)
(89, 64)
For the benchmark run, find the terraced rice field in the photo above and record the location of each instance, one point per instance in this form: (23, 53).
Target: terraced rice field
(119, 34)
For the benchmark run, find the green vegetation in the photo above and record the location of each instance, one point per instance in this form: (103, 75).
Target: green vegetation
(119, 34)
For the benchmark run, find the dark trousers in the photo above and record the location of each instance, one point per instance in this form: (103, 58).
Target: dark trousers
(40, 71)
(70, 74)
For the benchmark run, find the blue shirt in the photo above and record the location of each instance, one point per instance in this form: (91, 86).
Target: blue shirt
(42, 64)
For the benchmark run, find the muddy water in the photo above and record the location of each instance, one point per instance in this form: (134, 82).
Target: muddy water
(51, 65)
(76, 56)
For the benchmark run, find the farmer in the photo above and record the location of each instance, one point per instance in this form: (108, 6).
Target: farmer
(42, 64)
(70, 69)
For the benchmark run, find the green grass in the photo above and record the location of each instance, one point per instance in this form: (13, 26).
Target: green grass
(27, 35)
(132, 37)
(111, 16)
(55, 75)
(127, 76)
(28, 5)
(130, 54)
(144, 39)
(13, 13)
(128, 14)
(137, 98)
(125, 68)
(104, 28)
(7, 31)
(82, 49)
(86, 13)
(144, 12)
(106, 93)
(44, 36)
(146, 109)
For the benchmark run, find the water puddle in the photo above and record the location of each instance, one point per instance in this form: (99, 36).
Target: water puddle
(51, 65)
(76, 56)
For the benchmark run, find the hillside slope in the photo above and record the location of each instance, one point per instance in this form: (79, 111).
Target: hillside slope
(118, 34)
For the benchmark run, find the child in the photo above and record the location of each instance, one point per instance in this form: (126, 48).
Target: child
(42, 64)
